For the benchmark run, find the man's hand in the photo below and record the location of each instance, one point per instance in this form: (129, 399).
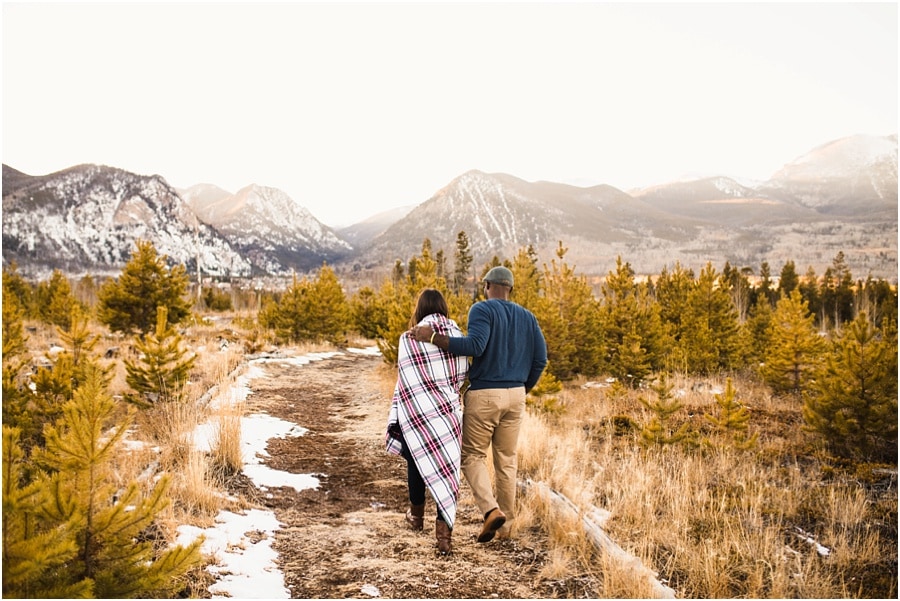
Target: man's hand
(421, 333)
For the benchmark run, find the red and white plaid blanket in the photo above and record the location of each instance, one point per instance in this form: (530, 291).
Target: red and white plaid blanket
(426, 405)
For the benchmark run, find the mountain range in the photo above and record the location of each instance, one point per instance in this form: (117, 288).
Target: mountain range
(839, 197)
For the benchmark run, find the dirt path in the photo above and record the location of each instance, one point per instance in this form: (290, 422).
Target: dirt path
(347, 538)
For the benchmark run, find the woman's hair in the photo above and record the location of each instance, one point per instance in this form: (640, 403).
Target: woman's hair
(430, 301)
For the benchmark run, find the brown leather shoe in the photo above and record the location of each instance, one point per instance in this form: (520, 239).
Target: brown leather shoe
(415, 516)
(443, 533)
(493, 520)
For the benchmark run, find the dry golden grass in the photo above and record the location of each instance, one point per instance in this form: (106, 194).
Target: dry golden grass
(226, 456)
(776, 521)
(714, 522)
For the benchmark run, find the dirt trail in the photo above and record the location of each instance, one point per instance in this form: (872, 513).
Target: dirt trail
(348, 538)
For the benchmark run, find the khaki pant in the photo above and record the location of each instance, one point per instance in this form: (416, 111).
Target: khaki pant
(491, 418)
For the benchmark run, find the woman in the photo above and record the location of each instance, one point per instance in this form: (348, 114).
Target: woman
(424, 424)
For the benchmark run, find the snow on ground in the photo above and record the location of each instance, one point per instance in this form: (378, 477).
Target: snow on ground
(242, 543)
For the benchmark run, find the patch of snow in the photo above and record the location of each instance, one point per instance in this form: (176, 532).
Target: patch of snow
(245, 568)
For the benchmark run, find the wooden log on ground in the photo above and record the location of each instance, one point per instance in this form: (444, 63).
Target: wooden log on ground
(564, 506)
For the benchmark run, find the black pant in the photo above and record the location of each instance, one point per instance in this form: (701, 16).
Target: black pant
(414, 479)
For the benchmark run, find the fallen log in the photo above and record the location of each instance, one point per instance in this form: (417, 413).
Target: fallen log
(563, 505)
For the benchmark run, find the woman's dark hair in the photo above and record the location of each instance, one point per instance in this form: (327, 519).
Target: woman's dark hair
(430, 301)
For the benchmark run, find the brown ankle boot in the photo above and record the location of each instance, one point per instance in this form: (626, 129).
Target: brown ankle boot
(415, 516)
(442, 532)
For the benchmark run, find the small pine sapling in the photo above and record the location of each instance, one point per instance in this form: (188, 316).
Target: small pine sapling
(543, 397)
(658, 432)
(732, 419)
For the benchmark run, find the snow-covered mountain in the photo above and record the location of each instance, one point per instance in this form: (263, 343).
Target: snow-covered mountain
(714, 219)
(268, 227)
(849, 176)
(841, 196)
(87, 219)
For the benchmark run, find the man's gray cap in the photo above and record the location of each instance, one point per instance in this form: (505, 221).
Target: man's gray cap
(500, 275)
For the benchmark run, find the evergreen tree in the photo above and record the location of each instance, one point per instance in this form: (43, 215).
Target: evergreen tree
(330, 311)
(53, 386)
(733, 418)
(129, 303)
(527, 276)
(310, 310)
(710, 338)
(163, 368)
(15, 395)
(34, 551)
(367, 315)
(837, 292)
(216, 300)
(398, 302)
(632, 332)
(567, 315)
(542, 397)
(108, 523)
(795, 348)
(853, 402)
(663, 407)
(809, 290)
(15, 287)
(672, 294)
(462, 263)
(757, 331)
(765, 289)
(55, 300)
(789, 280)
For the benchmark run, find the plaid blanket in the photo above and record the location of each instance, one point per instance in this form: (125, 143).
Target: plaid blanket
(426, 406)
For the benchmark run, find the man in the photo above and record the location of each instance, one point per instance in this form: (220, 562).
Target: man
(509, 354)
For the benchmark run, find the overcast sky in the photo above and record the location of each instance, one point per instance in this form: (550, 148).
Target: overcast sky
(356, 108)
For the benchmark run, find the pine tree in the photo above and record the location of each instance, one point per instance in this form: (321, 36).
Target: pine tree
(795, 348)
(757, 331)
(34, 551)
(672, 295)
(733, 418)
(163, 368)
(15, 287)
(809, 290)
(463, 260)
(527, 277)
(663, 407)
(566, 313)
(367, 315)
(631, 326)
(789, 280)
(853, 402)
(129, 303)
(543, 397)
(15, 396)
(765, 290)
(837, 292)
(56, 301)
(110, 524)
(329, 311)
(710, 337)
(397, 301)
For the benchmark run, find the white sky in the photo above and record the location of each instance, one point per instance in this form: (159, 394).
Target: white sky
(356, 108)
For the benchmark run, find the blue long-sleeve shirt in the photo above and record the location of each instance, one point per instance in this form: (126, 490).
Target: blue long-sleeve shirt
(506, 343)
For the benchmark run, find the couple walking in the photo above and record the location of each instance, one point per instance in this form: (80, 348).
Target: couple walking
(435, 434)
